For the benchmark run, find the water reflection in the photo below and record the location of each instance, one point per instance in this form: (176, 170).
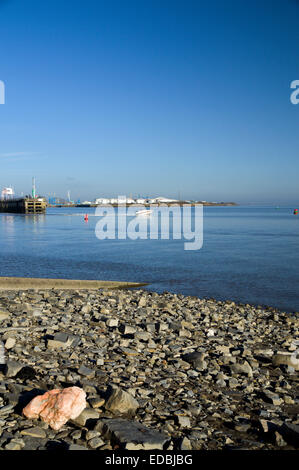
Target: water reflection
(10, 223)
(34, 218)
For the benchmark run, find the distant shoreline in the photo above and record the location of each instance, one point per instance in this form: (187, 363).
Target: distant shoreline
(180, 203)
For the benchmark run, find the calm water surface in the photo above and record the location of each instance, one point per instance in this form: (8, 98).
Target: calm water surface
(249, 254)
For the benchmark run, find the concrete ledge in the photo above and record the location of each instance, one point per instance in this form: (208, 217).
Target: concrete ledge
(23, 283)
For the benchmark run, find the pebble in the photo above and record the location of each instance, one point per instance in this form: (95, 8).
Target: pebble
(34, 432)
(166, 369)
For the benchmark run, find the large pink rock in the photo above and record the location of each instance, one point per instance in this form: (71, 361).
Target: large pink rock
(57, 406)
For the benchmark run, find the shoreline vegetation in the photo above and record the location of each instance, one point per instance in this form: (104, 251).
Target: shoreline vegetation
(161, 371)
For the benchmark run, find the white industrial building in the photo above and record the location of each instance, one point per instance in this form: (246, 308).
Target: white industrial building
(129, 200)
(141, 201)
(102, 200)
(161, 200)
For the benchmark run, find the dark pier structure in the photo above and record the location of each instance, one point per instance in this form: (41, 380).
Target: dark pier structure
(27, 205)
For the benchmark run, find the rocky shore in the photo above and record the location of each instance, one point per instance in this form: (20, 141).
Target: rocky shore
(161, 371)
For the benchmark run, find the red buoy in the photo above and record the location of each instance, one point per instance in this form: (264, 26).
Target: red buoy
(86, 217)
(295, 212)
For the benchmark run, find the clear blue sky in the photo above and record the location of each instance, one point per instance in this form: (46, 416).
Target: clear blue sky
(151, 97)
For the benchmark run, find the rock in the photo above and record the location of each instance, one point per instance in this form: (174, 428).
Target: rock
(142, 301)
(129, 352)
(2, 354)
(196, 359)
(286, 359)
(4, 315)
(142, 336)
(5, 410)
(271, 397)
(127, 329)
(12, 368)
(290, 433)
(121, 402)
(279, 440)
(85, 416)
(183, 421)
(132, 435)
(242, 369)
(112, 322)
(86, 371)
(242, 427)
(10, 342)
(77, 447)
(63, 341)
(12, 445)
(268, 426)
(86, 308)
(97, 402)
(185, 444)
(76, 434)
(96, 442)
(210, 332)
(34, 432)
(57, 406)
(91, 434)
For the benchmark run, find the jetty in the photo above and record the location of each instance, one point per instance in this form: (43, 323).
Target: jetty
(25, 205)
(24, 283)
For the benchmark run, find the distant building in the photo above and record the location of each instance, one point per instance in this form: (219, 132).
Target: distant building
(102, 200)
(114, 200)
(130, 200)
(161, 200)
(7, 193)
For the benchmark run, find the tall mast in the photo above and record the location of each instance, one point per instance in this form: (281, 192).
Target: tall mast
(33, 187)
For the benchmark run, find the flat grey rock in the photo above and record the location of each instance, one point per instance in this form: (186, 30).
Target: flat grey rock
(133, 435)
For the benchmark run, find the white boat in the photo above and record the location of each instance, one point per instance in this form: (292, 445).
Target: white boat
(144, 212)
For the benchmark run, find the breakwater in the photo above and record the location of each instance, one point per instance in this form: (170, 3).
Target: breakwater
(24, 205)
